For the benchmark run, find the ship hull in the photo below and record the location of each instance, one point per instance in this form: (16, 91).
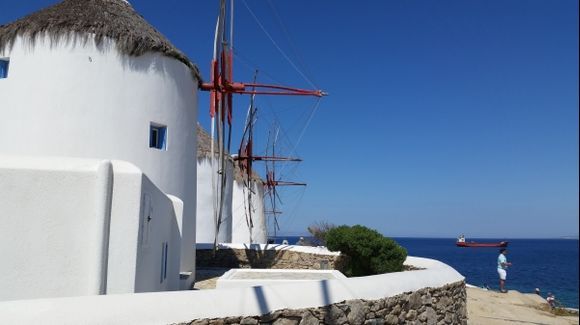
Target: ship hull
(473, 244)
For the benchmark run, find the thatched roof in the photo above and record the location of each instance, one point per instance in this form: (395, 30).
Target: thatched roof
(114, 19)
(204, 151)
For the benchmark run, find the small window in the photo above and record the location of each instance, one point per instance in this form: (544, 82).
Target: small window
(158, 136)
(164, 256)
(4, 68)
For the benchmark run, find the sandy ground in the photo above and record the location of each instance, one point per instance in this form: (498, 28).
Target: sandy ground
(206, 278)
(490, 307)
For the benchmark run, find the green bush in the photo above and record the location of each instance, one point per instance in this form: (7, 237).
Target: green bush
(369, 252)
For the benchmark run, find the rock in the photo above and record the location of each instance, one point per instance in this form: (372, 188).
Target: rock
(411, 315)
(358, 311)
(426, 300)
(443, 303)
(431, 316)
(402, 317)
(200, 322)
(377, 305)
(308, 319)
(218, 321)
(334, 315)
(390, 302)
(344, 307)
(381, 313)
(270, 317)
(294, 313)
(415, 300)
(285, 321)
(396, 310)
(374, 321)
(448, 318)
(248, 321)
(391, 320)
(463, 311)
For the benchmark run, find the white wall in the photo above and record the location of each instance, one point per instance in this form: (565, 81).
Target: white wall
(143, 221)
(75, 227)
(184, 306)
(205, 218)
(76, 100)
(241, 232)
(50, 241)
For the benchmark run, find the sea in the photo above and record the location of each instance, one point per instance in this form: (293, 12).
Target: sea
(550, 265)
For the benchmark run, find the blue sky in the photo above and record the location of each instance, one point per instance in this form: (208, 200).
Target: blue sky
(444, 117)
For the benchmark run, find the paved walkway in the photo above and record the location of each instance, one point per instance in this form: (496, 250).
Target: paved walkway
(273, 275)
(206, 278)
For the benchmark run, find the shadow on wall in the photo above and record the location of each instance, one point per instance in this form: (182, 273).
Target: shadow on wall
(251, 257)
(259, 256)
(261, 299)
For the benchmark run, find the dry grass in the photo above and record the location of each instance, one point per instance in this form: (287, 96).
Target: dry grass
(100, 19)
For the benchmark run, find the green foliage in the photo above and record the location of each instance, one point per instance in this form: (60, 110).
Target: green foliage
(369, 251)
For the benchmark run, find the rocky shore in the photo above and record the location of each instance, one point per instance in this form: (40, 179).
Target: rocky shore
(490, 308)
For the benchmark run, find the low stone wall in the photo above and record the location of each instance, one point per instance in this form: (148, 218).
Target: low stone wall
(256, 257)
(434, 294)
(444, 305)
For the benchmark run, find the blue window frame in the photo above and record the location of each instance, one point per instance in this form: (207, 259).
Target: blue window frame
(158, 136)
(4, 68)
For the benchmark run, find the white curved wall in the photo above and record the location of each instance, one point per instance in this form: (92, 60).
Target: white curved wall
(184, 306)
(241, 232)
(74, 99)
(205, 228)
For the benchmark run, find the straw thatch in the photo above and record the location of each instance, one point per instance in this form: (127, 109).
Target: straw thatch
(204, 152)
(204, 143)
(114, 19)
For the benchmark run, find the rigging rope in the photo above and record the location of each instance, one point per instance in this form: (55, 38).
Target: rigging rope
(253, 66)
(289, 39)
(278, 47)
(291, 216)
(293, 150)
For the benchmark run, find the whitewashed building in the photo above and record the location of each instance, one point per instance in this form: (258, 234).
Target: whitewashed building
(93, 80)
(208, 194)
(245, 207)
(238, 205)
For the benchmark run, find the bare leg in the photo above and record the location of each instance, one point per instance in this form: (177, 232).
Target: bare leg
(501, 285)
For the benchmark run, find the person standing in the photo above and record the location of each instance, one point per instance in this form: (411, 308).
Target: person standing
(301, 242)
(551, 299)
(502, 266)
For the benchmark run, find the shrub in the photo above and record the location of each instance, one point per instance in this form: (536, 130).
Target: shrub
(369, 252)
(318, 230)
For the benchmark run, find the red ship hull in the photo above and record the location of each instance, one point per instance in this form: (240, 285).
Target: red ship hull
(474, 244)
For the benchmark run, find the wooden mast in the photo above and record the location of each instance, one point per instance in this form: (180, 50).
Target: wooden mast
(221, 87)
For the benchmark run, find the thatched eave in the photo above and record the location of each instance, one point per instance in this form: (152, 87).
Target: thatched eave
(204, 152)
(113, 19)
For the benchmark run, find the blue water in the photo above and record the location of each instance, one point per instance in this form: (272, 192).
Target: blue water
(548, 264)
